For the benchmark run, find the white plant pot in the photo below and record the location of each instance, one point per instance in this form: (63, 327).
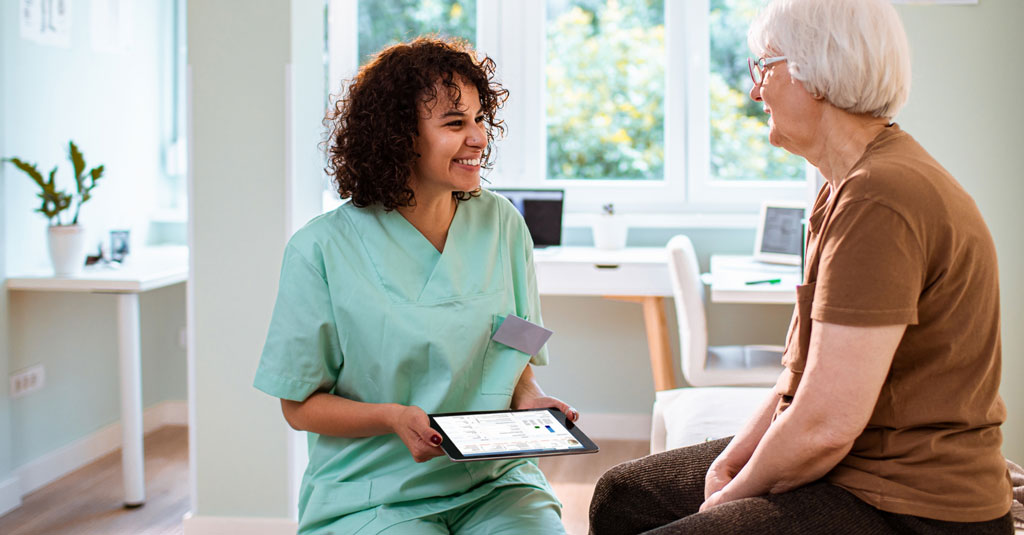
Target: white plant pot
(67, 249)
(610, 232)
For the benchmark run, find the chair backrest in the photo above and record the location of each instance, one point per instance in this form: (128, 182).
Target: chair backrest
(688, 291)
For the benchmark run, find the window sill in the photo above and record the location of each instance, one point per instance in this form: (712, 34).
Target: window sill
(704, 221)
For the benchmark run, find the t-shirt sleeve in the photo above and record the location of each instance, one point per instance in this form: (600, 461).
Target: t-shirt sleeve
(872, 268)
(302, 354)
(523, 271)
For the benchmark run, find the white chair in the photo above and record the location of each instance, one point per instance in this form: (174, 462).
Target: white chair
(728, 382)
(751, 365)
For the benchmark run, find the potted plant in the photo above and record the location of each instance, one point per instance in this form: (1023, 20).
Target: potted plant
(66, 240)
(609, 229)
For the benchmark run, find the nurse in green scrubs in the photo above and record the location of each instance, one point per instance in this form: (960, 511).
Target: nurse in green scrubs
(386, 308)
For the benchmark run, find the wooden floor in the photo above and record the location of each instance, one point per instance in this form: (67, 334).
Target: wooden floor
(88, 501)
(573, 477)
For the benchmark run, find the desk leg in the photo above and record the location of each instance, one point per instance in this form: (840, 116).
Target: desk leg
(657, 339)
(130, 359)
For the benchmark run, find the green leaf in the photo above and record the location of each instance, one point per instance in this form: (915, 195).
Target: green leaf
(78, 161)
(30, 169)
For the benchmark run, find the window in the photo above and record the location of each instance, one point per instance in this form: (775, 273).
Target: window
(643, 103)
(605, 90)
(385, 23)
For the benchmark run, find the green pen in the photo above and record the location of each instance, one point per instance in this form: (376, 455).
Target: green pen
(765, 281)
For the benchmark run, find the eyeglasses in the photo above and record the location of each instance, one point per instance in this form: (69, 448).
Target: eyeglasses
(758, 67)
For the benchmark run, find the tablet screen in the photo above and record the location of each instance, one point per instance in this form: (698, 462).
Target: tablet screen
(507, 432)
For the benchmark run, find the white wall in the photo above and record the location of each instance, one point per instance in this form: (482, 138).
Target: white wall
(243, 208)
(112, 105)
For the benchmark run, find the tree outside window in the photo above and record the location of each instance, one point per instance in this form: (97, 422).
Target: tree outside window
(386, 23)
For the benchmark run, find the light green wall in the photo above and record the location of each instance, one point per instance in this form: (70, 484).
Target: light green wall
(243, 209)
(75, 336)
(963, 110)
(110, 104)
(6, 465)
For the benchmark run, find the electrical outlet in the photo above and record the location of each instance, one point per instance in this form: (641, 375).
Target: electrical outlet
(27, 381)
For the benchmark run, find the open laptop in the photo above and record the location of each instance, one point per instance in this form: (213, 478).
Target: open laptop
(780, 233)
(542, 210)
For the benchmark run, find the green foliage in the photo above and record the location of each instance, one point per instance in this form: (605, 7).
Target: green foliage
(605, 90)
(55, 202)
(386, 23)
(739, 126)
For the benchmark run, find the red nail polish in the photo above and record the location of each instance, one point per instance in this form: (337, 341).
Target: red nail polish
(435, 440)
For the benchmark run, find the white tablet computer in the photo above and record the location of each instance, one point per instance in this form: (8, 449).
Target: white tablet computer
(780, 233)
(478, 436)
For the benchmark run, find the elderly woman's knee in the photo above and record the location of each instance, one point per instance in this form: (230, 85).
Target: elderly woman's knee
(618, 484)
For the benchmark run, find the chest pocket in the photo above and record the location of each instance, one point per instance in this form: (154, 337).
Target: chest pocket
(502, 365)
(798, 339)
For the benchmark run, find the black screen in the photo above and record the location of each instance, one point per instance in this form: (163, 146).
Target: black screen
(542, 210)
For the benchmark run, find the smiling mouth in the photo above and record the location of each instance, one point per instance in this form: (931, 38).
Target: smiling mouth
(475, 162)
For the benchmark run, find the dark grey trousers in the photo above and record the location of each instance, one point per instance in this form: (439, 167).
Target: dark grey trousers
(661, 494)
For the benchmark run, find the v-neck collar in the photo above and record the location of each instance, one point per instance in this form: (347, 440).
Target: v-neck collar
(409, 267)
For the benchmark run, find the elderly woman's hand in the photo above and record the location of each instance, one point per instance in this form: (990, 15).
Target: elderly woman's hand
(719, 475)
(412, 425)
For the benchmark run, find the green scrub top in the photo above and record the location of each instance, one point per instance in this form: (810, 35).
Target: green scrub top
(369, 310)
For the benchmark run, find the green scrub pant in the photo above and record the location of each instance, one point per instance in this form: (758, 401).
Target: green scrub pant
(512, 510)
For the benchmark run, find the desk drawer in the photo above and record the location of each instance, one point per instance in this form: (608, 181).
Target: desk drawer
(581, 278)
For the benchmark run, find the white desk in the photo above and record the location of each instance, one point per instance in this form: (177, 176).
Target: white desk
(640, 274)
(146, 269)
(730, 274)
(634, 274)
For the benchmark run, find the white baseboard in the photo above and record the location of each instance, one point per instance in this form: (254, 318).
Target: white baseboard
(617, 426)
(218, 525)
(53, 465)
(10, 495)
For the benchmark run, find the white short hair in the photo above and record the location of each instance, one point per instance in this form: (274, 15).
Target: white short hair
(854, 53)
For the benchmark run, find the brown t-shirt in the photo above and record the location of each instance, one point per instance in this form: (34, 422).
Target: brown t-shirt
(900, 242)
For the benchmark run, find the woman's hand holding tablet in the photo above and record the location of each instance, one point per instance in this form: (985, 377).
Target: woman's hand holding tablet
(477, 436)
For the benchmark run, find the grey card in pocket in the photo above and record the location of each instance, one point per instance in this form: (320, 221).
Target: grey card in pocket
(517, 333)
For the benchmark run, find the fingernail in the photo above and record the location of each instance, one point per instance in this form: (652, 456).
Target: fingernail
(435, 440)
(575, 415)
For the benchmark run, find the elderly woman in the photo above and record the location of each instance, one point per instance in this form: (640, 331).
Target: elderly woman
(886, 418)
(387, 305)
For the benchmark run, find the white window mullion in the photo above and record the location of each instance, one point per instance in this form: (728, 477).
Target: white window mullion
(342, 42)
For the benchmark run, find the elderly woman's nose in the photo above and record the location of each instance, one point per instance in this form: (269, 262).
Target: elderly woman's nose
(755, 93)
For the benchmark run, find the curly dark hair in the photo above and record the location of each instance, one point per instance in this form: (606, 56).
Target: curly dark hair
(372, 126)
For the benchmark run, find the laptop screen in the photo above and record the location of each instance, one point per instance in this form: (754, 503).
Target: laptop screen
(542, 210)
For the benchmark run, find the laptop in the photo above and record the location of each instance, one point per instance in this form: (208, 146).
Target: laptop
(542, 210)
(780, 233)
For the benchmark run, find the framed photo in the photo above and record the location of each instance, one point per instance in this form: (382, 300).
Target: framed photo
(119, 248)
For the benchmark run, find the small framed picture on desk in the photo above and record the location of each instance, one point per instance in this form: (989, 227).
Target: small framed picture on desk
(780, 234)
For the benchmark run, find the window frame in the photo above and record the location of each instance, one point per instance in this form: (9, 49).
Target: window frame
(512, 32)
